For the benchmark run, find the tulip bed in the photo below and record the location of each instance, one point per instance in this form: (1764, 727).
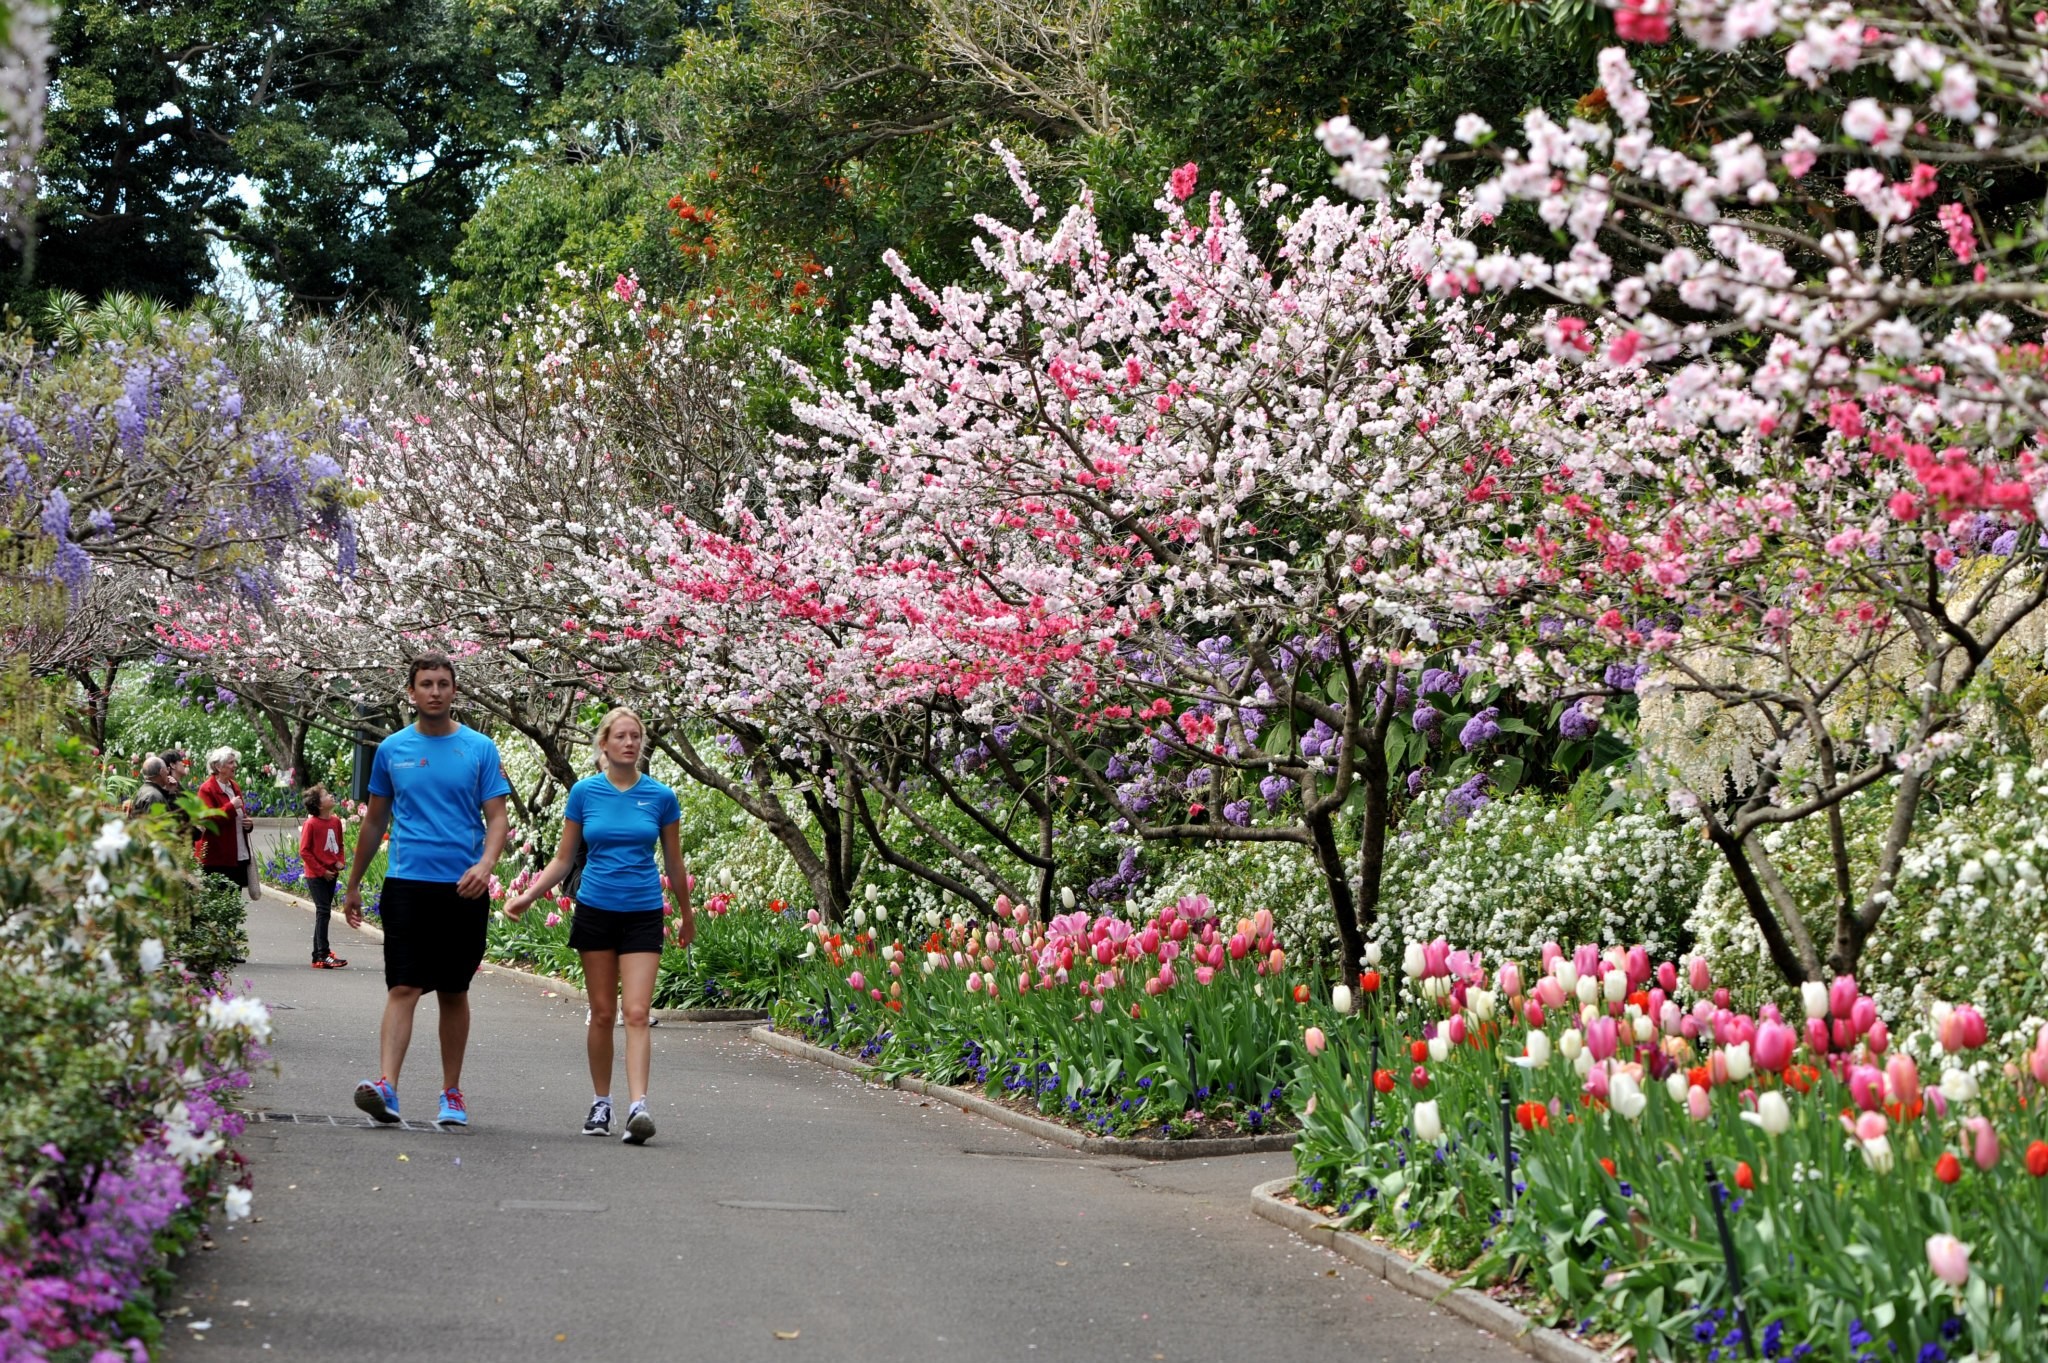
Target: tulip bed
(740, 958)
(1885, 1194)
(1180, 1026)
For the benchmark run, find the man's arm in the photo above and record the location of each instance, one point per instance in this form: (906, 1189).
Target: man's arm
(368, 839)
(497, 828)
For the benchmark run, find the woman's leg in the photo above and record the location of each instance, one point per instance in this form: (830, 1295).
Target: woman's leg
(637, 972)
(601, 982)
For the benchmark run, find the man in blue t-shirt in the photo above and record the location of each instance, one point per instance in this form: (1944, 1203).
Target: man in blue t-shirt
(440, 788)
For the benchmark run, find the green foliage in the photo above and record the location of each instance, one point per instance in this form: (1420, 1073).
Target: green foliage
(213, 932)
(100, 1027)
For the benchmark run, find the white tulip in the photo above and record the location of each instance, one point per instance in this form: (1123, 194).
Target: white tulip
(1480, 1004)
(1373, 953)
(1536, 1052)
(1625, 1096)
(1646, 1030)
(1814, 996)
(1429, 1123)
(1340, 1000)
(1676, 1085)
(860, 918)
(1440, 1048)
(1067, 898)
(1739, 1064)
(1588, 989)
(1412, 961)
(1877, 1152)
(1582, 1064)
(1615, 986)
(1567, 974)
(1958, 1085)
(1571, 1043)
(1772, 1113)
(725, 876)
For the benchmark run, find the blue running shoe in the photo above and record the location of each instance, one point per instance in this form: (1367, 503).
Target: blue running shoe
(453, 1111)
(379, 1099)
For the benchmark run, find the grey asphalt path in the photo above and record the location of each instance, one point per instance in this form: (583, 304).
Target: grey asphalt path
(784, 1212)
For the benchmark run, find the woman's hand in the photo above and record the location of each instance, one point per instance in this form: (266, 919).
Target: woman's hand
(686, 928)
(518, 904)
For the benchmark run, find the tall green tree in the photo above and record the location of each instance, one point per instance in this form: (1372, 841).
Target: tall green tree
(336, 146)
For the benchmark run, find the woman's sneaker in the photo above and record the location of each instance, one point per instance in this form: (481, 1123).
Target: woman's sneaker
(599, 1122)
(639, 1124)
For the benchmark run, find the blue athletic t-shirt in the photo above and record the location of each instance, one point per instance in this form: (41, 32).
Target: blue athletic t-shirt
(622, 829)
(437, 788)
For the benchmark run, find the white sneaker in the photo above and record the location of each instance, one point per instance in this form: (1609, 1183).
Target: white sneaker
(639, 1124)
(599, 1122)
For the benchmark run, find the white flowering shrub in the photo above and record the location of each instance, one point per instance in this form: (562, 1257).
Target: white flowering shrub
(1530, 869)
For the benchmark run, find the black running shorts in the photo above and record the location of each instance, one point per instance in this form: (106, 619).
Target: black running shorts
(433, 937)
(625, 933)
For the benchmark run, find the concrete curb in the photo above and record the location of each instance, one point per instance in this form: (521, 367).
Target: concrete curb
(562, 986)
(1054, 1132)
(1399, 1271)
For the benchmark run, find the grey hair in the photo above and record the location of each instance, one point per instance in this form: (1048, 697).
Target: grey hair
(153, 768)
(220, 755)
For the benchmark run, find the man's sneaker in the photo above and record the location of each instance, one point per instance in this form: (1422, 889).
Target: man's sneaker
(453, 1112)
(335, 962)
(378, 1098)
(639, 1124)
(322, 965)
(599, 1122)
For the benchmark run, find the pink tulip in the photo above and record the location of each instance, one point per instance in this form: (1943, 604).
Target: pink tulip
(1689, 1027)
(1314, 1039)
(1596, 1083)
(1667, 977)
(1983, 1141)
(1549, 992)
(1844, 1036)
(1878, 1037)
(1238, 946)
(1866, 1088)
(1698, 1104)
(1975, 1033)
(2038, 1061)
(1167, 978)
(1722, 997)
(1532, 1013)
(856, 981)
(1773, 1046)
(1842, 996)
(1698, 975)
(1104, 952)
(1602, 1038)
(1949, 1259)
(1904, 1077)
(1148, 941)
(1950, 1034)
(1204, 974)
(974, 982)
(1511, 980)
(1169, 951)
(1436, 959)
(1638, 967)
(1154, 987)
(1457, 1030)
(1023, 981)
(1179, 931)
(1868, 1127)
(1095, 1005)
(875, 994)
(1670, 1019)
(1551, 951)
(1586, 959)
(1863, 1014)
(1002, 906)
(1277, 962)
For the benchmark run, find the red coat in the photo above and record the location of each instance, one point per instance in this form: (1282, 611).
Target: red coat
(218, 832)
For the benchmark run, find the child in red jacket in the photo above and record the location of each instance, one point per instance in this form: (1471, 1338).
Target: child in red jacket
(320, 855)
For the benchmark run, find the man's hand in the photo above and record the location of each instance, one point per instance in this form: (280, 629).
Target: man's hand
(352, 906)
(475, 881)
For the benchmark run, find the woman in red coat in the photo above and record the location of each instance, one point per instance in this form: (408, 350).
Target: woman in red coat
(223, 844)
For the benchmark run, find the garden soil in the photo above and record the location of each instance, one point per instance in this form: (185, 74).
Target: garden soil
(785, 1211)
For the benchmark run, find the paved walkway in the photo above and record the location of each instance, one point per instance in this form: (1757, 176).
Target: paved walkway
(784, 1212)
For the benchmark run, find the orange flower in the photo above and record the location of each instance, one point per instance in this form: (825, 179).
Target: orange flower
(1745, 1177)
(1418, 1051)
(1801, 1077)
(1532, 1116)
(895, 1005)
(1370, 981)
(1383, 1080)
(1301, 993)
(1948, 1168)
(1608, 1165)
(1700, 1077)
(2037, 1159)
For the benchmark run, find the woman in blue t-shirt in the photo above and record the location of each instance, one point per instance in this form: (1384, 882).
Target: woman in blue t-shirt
(621, 816)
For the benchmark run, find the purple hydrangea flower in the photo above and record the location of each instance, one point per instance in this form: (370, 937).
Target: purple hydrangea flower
(1319, 741)
(1481, 728)
(1275, 789)
(1624, 676)
(1466, 799)
(2006, 543)
(1426, 718)
(1417, 779)
(1578, 723)
(1436, 681)
(1238, 812)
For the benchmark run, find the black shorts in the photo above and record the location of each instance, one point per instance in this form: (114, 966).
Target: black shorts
(625, 933)
(433, 937)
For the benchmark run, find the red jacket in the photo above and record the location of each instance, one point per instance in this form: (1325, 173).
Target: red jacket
(320, 848)
(218, 832)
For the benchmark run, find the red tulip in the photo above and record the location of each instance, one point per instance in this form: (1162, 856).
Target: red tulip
(1745, 1177)
(1383, 1080)
(1370, 981)
(1301, 993)
(2037, 1159)
(1948, 1168)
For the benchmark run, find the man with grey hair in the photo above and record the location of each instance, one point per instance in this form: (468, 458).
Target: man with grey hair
(155, 791)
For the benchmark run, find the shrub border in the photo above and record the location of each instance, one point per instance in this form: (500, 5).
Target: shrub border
(1495, 1317)
(568, 989)
(1208, 1147)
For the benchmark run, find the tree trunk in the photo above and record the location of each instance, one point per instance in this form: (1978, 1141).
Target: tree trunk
(1323, 831)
